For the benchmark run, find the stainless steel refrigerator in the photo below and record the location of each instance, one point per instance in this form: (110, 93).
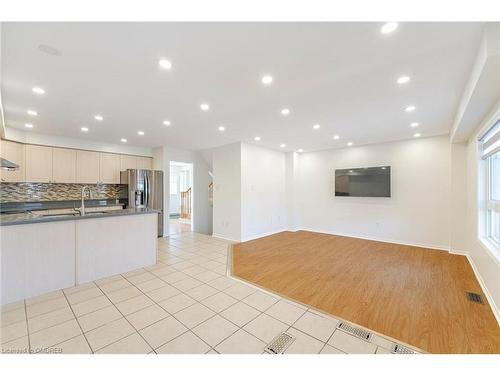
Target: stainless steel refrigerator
(145, 189)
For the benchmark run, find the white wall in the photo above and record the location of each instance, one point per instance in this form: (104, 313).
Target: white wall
(418, 211)
(226, 162)
(263, 192)
(201, 179)
(487, 267)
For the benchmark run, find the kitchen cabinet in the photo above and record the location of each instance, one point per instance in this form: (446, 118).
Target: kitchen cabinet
(38, 163)
(63, 165)
(87, 167)
(144, 163)
(128, 162)
(14, 152)
(109, 168)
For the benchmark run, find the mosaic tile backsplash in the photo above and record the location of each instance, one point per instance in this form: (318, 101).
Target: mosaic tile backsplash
(42, 192)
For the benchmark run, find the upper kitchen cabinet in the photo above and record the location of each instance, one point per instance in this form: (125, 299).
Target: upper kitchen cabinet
(14, 152)
(128, 162)
(38, 163)
(87, 167)
(109, 168)
(63, 165)
(144, 163)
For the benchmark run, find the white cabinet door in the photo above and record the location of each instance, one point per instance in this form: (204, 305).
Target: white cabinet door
(14, 152)
(128, 162)
(144, 163)
(109, 168)
(87, 167)
(63, 165)
(38, 163)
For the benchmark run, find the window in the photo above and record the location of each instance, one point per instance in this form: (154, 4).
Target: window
(491, 155)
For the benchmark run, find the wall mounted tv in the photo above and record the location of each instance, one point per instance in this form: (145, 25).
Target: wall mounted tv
(363, 182)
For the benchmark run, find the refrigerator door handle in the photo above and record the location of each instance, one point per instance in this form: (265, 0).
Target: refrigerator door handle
(146, 190)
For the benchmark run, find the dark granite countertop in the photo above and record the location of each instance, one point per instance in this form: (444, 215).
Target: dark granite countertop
(19, 207)
(33, 217)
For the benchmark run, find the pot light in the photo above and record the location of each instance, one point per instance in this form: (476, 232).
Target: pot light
(349, 143)
(31, 112)
(300, 150)
(336, 137)
(140, 132)
(98, 117)
(416, 135)
(38, 90)
(256, 139)
(84, 129)
(414, 124)
(403, 79)
(28, 125)
(165, 64)
(282, 145)
(267, 79)
(285, 111)
(316, 126)
(124, 140)
(166, 123)
(221, 128)
(389, 27)
(204, 107)
(410, 108)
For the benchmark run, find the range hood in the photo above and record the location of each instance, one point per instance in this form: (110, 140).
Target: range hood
(8, 165)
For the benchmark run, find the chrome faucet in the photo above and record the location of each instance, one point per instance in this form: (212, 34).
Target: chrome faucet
(81, 210)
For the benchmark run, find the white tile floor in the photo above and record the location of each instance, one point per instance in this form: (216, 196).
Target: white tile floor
(183, 304)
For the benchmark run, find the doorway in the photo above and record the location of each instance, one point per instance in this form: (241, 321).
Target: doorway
(181, 197)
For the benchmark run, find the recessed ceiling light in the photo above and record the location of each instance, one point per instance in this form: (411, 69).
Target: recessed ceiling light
(84, 129)
(256, 139)
(300, 150)
(38, 90)
(349, 143)
(98, 117)
(165, 64)
(28, 125)
(416, 135)
(410, 108)
(204, 107)
(414, 124)
(389, 27)
(221, 128)
(282, 145)
(336, 137)
(140, 132)
(316, 126)
(403, 79)
(31, 112)
(285, 111)
(267, 79)
(124, 140)
(166, 123)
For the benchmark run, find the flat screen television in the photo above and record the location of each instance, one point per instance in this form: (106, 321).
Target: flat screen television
(363, 182)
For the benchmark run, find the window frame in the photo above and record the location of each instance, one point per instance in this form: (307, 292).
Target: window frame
(492, 206)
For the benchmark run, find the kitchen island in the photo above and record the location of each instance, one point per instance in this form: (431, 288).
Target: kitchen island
(41, 253)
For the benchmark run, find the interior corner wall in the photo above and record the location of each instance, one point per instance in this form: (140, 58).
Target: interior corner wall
(263, 192)
(226, 161)
(458, 205)
(291, 173)
(201, 180)
(417, 212)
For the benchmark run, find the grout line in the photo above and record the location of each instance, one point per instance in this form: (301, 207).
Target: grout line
(77, 322)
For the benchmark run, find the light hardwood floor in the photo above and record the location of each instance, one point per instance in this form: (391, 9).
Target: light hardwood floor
(413, 294)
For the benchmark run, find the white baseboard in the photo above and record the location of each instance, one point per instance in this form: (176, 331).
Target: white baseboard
(387, 240)
(224, 237)
(249, 238)
(483, 286)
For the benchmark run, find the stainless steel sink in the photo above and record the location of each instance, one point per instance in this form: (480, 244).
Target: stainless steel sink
(60, 215)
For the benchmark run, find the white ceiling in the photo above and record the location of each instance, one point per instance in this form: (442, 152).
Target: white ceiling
(340, 75)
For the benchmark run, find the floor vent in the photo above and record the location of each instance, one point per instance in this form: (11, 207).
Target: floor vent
(280, 343)
(400, 349)
(474, 297)
(358, 332)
